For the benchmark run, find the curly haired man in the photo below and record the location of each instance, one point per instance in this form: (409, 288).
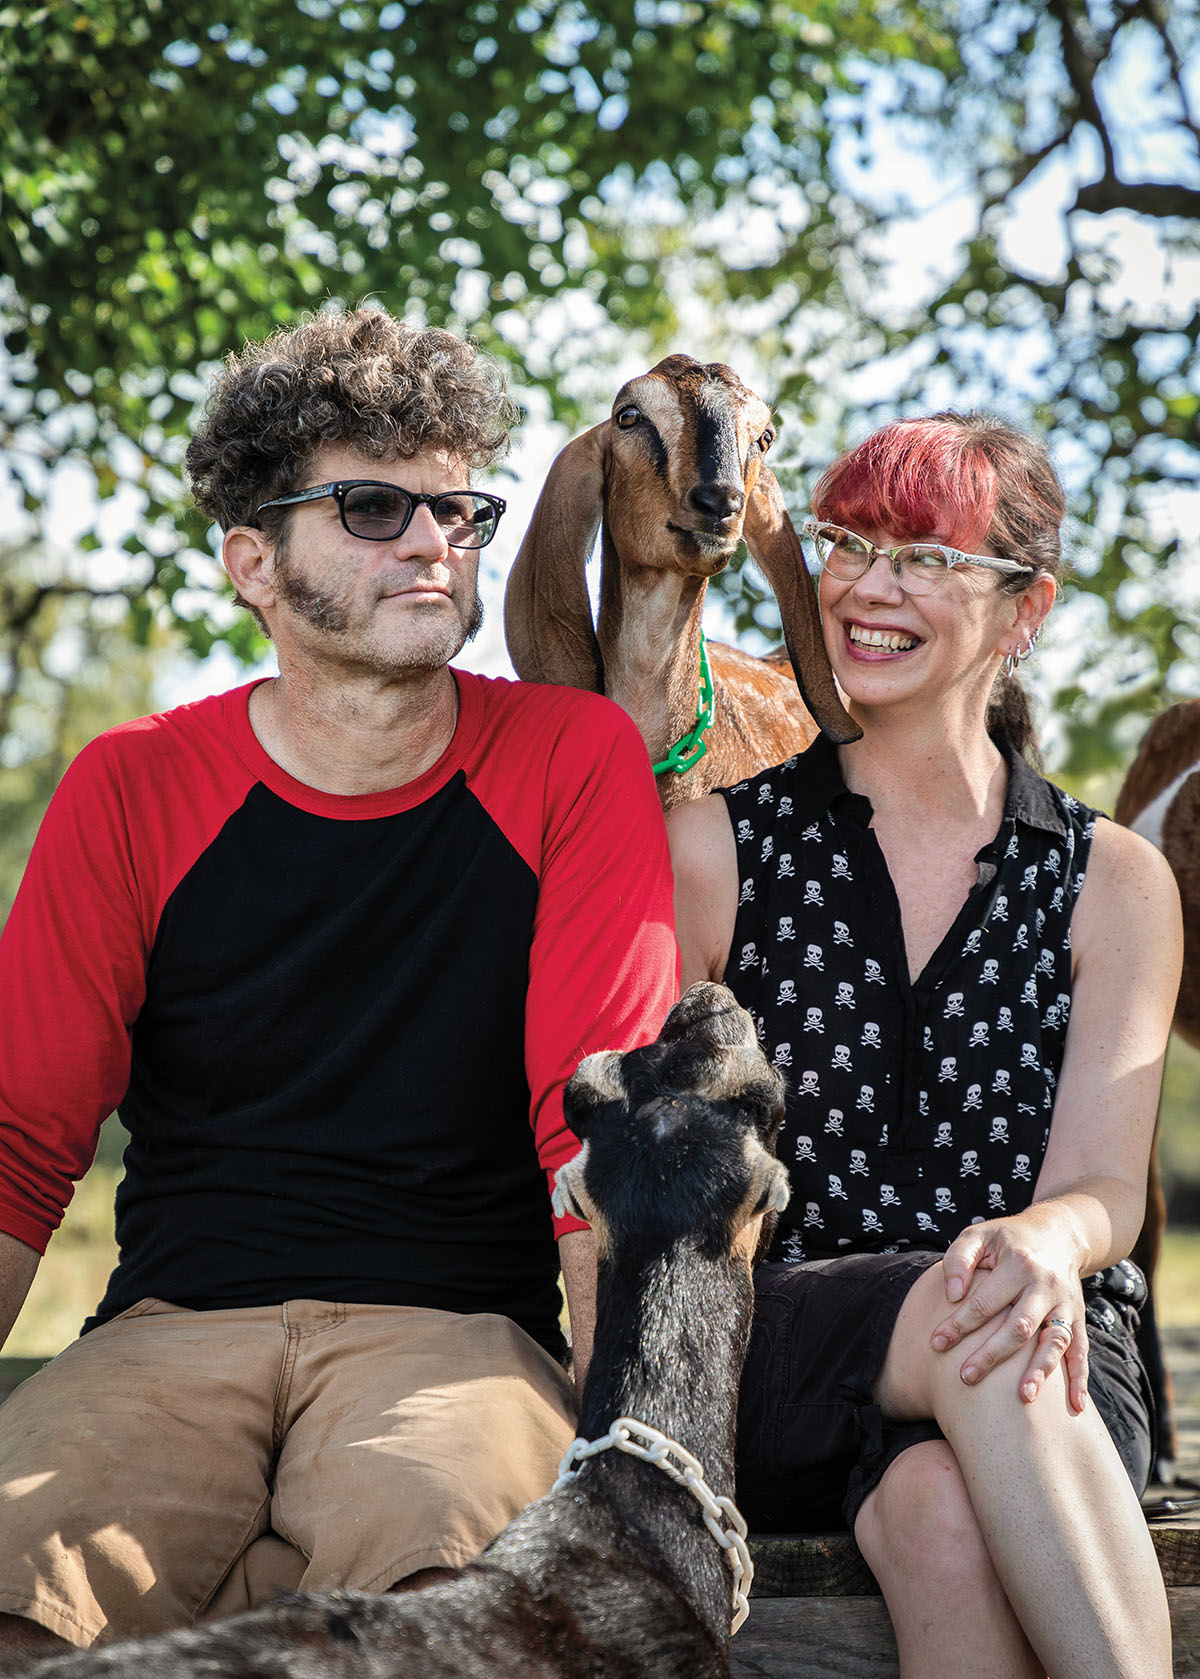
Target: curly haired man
(331, 943)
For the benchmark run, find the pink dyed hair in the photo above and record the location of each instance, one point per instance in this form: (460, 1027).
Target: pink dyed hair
(969, 479)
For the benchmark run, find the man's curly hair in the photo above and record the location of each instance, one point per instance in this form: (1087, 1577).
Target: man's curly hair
(364, 379)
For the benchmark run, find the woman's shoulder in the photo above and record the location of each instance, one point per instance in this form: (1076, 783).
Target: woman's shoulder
(704, 862)
(700, 829)
(1117, 860)
(765, 787)
(1126, 872)
(1128, 939)
(1127, 919)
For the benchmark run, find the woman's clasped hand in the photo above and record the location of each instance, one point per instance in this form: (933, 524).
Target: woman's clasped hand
(1016, 1295)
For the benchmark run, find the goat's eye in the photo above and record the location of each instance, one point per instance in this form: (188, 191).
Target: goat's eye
(628, 416)
(766, 440)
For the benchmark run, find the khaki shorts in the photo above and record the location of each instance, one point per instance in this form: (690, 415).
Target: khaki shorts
(175, 1465)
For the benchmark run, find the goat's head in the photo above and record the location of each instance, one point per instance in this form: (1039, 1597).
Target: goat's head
(677, 476)
(678, 1137)
(685, 448)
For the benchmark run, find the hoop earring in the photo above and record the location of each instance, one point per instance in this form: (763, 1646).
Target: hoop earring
(1019, 658)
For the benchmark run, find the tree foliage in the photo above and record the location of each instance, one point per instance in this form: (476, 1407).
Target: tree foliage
(178, 177)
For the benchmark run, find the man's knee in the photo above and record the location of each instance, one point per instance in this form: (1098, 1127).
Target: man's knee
(920, 1519)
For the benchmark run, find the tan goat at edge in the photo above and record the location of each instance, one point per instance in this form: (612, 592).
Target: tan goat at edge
(1160, 799)
(674, 479)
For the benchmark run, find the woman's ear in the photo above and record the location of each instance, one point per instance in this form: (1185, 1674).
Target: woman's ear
(1032, 606)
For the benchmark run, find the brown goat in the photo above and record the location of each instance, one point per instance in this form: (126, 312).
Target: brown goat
(673, 480)
(1160, 799)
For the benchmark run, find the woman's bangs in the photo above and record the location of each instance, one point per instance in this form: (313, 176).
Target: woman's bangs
(912, 480)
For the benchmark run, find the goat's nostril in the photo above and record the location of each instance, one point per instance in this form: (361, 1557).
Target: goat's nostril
(717, 501)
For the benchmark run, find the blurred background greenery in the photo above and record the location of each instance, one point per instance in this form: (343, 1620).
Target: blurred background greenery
(867, 210)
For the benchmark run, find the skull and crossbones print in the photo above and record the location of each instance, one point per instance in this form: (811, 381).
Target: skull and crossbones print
(965, 1070)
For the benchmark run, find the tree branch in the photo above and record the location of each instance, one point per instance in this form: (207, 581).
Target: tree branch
(18, 613)
(1081, 73)
(22, 633)
(19, 610)
(1147, 198)
(1110, 192)
(1021, 172)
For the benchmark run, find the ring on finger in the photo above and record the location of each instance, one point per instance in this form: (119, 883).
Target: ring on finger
(1059, 1323)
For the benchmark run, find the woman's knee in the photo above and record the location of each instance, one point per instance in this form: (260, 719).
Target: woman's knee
(920, 1519)
(905, 1385)
(915, 1380)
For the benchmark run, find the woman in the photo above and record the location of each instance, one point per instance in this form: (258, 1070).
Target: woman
(970, 982)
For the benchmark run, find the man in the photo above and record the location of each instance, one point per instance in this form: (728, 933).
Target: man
(331, 944)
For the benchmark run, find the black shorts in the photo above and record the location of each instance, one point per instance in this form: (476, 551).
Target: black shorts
(811, 1441)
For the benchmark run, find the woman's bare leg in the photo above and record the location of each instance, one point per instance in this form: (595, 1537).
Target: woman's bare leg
(920, 1536)
(1060, 1520)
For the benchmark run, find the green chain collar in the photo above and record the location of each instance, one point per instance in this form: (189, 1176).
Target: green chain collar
(687, 753)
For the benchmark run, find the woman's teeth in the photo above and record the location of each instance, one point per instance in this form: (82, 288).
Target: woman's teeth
(892, 640)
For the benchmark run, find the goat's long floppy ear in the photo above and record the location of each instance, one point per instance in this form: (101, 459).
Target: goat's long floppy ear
(772, 540)
(547, 614)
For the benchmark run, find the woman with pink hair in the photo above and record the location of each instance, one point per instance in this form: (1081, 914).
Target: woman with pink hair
(969, 979)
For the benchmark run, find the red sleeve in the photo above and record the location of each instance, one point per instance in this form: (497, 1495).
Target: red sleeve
(130, 816)
(72, 976)
(604, 967)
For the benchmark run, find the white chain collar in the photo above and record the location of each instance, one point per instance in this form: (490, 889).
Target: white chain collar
(722, 1517)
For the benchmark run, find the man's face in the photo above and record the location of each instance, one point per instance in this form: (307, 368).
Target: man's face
(392, 607)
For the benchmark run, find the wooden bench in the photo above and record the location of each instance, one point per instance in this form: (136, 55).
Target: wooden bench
(816, 1612)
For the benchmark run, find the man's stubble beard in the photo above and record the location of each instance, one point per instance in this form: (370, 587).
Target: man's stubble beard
(326, 612)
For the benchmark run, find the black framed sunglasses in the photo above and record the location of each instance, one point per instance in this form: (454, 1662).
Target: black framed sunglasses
(380, 512)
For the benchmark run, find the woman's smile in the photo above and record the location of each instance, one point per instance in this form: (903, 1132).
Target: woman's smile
(875, 641)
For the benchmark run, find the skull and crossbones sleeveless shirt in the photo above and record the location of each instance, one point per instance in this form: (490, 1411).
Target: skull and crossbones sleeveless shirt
(913, 1107)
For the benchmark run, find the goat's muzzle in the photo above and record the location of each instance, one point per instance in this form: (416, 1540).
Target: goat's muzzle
(710, 1013)
(705, 551)
(719, 503)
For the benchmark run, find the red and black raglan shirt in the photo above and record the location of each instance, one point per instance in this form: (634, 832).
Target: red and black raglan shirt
(336, 1029)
